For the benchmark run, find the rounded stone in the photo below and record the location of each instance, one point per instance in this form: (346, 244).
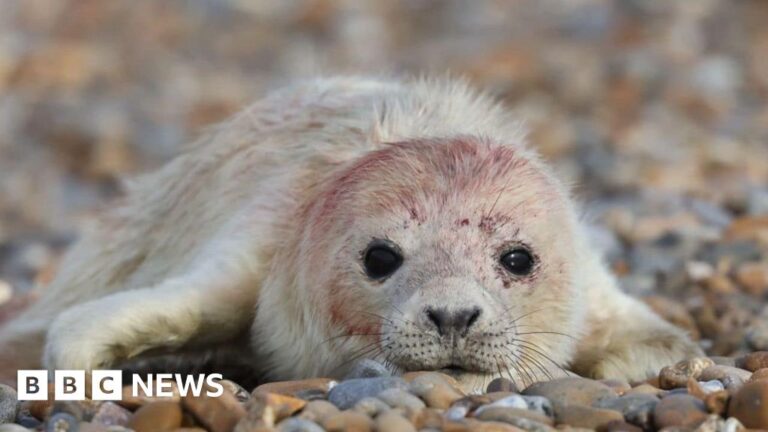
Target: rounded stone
(571, 390)
(750, 405)
(637, 409)
(679, 410)
(317, 411)
(295, 424)
(241, 394)
(501, 385)
(62, 422)
(9, 404)
(511, 415)
(585, 417)
(399, 398)
(511, 401)
(677, 376)
(731, 377)
(371, 406)
(759, 374)
(348, 421)
(156, 416)
(754, 361)
(111, 414)
(347, 393)
(393, 422)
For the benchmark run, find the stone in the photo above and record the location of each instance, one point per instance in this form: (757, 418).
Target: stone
(645, 389)
(62, 422)
(399, 398)
(585, 416)
(501, 385)
(371, 406)
(571, 390)
(132, 402)
(754, 361)
(457, 412)
(679, 410)
(637, 409)
(620, 426)
(393, 422)
(511, 401)
(295, 424)
(540, 404)
(346, 394)
(619, 386)
(753, 277)
(750, 405)
(759, 374)
(677, 376)
(156, 416)
(717, 402)
(240, 393)
(440, 396)
(510, 415)
(731, 377)
(348, 421)
(111, 414)
(317, 411)
(217, 414)
(367, 368)
(9, 404)
(297, 388)
(428, 418)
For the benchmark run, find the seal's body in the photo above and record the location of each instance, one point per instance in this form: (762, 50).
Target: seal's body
(348, 218)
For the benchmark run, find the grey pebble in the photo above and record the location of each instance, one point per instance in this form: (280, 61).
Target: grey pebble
(637, 409)
(62, 422)
(295, 424)
(9, 404)
(456, 412)
(347, 393)
(10, 427)
(540, 404)
(367, 369)
(511, 401)
(111, 414)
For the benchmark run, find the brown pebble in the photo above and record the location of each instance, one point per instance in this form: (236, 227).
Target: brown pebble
(240, 393)
(679, 410)
(431, 377)
(645, 389)
(292, 388)
(717, 402)
(619, 426)
(132, 402)
(753, 277)
(156, 416)
(111, 414)
(571, 390)
(586, 416)
(759, 374)
(501, 385)
(348, 421)
(731, 377)
(754, 361)
(619, 386)
(470, 425)
(750, 405)
(88, 427)
(217, 414)
(391, 421)
(428, 418)
(676, 376)
(441, 396)
(318, 410)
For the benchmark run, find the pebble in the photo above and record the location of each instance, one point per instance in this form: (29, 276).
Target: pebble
(318, 410)
(571, 390)
(371, 406)
(753, 277)
(393, 422)
(346, 394)
(399, 398)
(754, 361)
(9, 405)
(295, 424)
(731, 377)
(111, 414)
(156, 416)
(750, 405)
(238, 391)
(759, 374)
(511, 415)
(637, 409)
(348, 421)
(367, 369)
(679, 410)
(717, 402)
(217, 414)
(511, 401)
(540, 404)
(585, 416)
(501, 385)
(677, 376)
(132, 402)
(298, 388)
(62, 422)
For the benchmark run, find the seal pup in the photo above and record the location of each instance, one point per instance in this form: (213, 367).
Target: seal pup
(345, 218)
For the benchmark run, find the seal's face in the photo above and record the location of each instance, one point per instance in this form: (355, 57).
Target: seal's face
(452, 256)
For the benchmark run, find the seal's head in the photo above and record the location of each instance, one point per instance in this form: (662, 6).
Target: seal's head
(447, 254)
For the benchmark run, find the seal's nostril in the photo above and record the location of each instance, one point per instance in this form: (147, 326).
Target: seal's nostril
(457, 322)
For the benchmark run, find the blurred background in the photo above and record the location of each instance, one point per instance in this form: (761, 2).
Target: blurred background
(655, 110)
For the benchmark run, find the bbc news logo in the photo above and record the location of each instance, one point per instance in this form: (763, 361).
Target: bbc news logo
(107, 385)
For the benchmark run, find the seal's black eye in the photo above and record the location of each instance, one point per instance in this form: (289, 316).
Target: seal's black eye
(518, 262)
(381, 260)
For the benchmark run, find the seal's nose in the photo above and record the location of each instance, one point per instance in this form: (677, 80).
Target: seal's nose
(456, 321)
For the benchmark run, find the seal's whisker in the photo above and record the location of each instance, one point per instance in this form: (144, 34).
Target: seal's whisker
(535, 348)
